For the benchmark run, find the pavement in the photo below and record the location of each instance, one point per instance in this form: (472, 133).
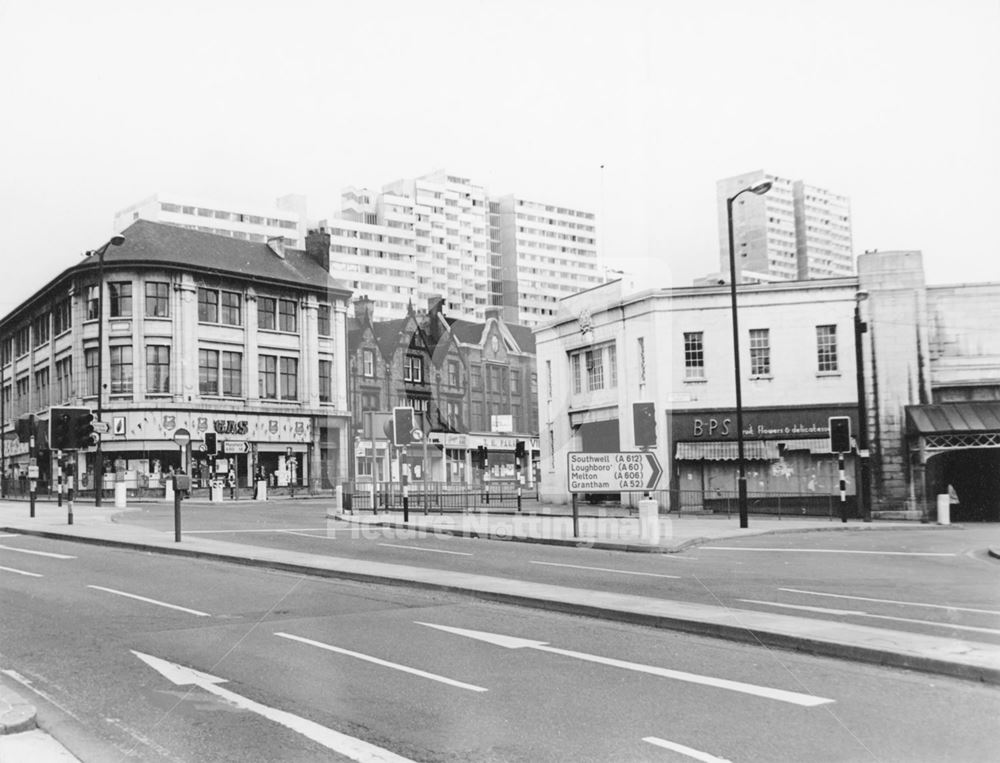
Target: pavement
(542, 524)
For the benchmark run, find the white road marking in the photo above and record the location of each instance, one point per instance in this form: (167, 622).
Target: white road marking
(271, 530)
(684, 750)
(383, 663)
(355, 749)
(432, 550)
(329, 536)
(21, 572)
(9, 535)
(150, 601)
(861, 613)
(37, 553)
(892, 601)
(513, 642)
(822, 551)
(606, 569)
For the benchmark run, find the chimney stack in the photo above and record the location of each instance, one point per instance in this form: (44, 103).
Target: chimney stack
(318, 247)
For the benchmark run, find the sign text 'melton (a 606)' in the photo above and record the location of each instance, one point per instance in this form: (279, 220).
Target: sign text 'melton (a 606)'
(612, 472)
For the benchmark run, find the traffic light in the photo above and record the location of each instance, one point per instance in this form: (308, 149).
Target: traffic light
(211, 447)
(519, 449)
(402, 424)
(644, 424)
(840, 434)
(61, 429)
(82, 434)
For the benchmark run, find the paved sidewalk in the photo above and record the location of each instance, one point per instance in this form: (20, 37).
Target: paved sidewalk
(932, 654)
(20, 738)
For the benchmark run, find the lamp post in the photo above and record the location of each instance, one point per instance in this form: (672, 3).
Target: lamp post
(759, 189)
(116, 240)
(864, 465)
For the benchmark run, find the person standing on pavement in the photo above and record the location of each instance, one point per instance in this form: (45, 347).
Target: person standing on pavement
(231, 483)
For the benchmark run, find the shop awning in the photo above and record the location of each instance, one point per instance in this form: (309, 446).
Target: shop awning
(753, 450)
(812, 444)
(954, 418)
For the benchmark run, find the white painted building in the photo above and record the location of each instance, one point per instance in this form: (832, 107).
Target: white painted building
(287, 218)
(794, 231)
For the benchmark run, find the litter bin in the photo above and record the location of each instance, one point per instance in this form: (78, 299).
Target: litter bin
(215, 489)
(261, 493)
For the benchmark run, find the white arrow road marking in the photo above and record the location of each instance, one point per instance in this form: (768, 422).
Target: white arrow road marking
(433, 550)
(21, 572)
(684, 750)
(862, 613)
(606, 569)
(513, 642)
(821, 551)
(384, 663)
(355, 749)
(150, 601)
(892, 601)
(37, 553)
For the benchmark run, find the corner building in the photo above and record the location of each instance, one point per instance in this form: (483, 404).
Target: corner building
(201, 332)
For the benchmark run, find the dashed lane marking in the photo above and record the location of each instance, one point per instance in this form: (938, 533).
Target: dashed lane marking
(150, 601)
(666, 744)
(822, 551)
(21, 572)
(607, 569)
(432, 550)
(37, 553)
(892, 601)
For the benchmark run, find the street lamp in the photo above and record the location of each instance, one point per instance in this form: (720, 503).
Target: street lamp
(760, 189)
(864, 484)
(116, 240)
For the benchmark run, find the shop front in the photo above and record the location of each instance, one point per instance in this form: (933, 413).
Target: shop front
(789, 466)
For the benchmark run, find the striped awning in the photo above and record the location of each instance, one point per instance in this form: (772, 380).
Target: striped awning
(812, 444)
(753, 450)
(971, 417)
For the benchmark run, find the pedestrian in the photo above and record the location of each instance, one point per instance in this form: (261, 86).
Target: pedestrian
(231, 482)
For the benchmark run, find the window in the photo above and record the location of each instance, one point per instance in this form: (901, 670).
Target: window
(323, 321)
(208, 372)
(90, 367)
(232, 308)
(121, 369)
(694, 355)
(6, 350)
(120, 296)
(157, 366)
(760, 352)
(22, 341)
(289, 379)
(594, 369)
(157, 299)
(23, 393)
(267, 377)
(826, 348)
(287, 315)
(208, 306)
(42, 388)
(515, 381)
(62, 317)
(325, 381)
(40, 329)
(369, 401)
(368, 363)
(267, 307)
(453, 377)
(476, 377)
(577, 384)
(64, 380)
(93, 302)
(232, 374)
(413, 369)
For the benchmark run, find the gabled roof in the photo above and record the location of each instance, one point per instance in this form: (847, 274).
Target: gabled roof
(387, 334)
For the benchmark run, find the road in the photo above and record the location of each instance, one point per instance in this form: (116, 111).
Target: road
(294, 668)
(938, 582)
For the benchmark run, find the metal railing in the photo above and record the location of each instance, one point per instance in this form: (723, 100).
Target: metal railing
(437, 497)
(774, 504)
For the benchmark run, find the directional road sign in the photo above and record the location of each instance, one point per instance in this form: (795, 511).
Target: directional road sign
(101, 427)
(235, 446)
(613, 472)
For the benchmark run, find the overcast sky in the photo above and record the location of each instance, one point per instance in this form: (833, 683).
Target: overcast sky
(894, 104)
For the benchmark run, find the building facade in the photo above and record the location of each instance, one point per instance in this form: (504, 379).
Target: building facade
(930, 383)
(202, 333)
(795, 231)
(286, 219)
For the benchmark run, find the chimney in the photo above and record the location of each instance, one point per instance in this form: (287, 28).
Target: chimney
(277, 245)
(363, 308)
(318, 247)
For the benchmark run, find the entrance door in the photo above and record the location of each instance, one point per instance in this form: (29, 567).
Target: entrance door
(974, 474)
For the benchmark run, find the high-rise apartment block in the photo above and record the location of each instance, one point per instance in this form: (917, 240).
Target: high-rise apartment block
(440, 234)
(286, 219)
(793, 232)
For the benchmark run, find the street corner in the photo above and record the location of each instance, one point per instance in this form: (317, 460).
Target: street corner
(16, 713)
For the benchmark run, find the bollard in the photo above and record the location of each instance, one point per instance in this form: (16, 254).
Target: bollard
(338, 498)
(944, 509)
(32, 486)
(406, 502)
(177, 516)
(120, 495)
(649, 521)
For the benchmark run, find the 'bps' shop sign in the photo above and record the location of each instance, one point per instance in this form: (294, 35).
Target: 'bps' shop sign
(759, 423)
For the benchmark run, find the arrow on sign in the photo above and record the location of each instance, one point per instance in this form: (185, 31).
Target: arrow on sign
(355, 749)
(513, 642)
(101, 427)
(655, 469)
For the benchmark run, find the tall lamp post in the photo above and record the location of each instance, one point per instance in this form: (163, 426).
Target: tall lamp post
(116, 240)
(759, 189)
(864, 465)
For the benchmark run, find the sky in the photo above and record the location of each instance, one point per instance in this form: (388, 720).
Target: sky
(631, 109)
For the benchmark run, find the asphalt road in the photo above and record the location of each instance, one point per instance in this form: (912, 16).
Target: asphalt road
(939, 582)
(293, 668)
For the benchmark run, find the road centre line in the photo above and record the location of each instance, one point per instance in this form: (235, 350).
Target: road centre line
(892, 601)
(37, 553)
(433, 550)
(704, 757)
(606, 569)
(862, 613)
(329, 536)
(21, 572)
(821, 551)
(383, 663)
(150, 601)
